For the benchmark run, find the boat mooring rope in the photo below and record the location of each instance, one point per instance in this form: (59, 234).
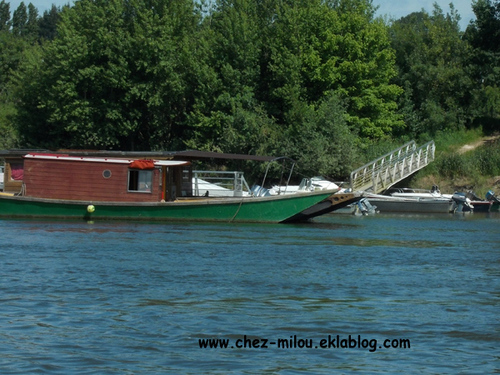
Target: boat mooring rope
(238, 210)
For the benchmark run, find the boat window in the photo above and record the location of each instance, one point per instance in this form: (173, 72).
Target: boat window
(16, 171)
(140, 180)
(106, 173)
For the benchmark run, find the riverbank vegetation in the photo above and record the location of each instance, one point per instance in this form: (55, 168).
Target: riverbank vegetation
(465, 161)
(324, 82)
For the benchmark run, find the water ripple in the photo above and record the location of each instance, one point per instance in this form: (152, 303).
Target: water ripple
(114, 298)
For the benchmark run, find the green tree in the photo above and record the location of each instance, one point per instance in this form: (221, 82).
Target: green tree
(432, 61)
(278, 63)
(5, 21)
(32, 28)
(484, 36)
(47, 24)
(318, 47)
(231, 119)
(484, 32)
(118, 75)
(12, 53)
(19, 20)
(324, 143)
(76, 89)
(172, 74)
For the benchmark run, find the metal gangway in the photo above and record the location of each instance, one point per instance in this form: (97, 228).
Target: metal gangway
(384, 172)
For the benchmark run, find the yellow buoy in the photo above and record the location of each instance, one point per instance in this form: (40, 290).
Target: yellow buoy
(90, 208)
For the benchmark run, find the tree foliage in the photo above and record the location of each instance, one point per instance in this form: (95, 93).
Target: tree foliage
(277, 63)
(318, 47)
(483, 35)
(432, 62)
(484, 32)
(5, 22)
(122, 73)
(47, 24)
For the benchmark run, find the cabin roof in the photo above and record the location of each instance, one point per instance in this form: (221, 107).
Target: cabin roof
(195, 154)
(19, 153)
(185, 155)
(177, 155)
(113, 160)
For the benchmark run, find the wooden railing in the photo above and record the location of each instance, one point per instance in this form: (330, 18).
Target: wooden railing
(393, 167)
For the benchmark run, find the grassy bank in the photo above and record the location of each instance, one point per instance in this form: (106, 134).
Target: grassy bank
(465, 160)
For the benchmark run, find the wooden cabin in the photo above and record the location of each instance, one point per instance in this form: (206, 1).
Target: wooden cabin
(81, 175)
(59, 176)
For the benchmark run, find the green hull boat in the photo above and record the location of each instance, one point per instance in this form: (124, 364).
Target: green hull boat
(275, 209)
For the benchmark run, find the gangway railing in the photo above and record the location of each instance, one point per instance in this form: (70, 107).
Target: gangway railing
(384, 172)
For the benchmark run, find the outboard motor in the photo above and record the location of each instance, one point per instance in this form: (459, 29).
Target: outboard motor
(472, 196)
(490, 196)
(463, 203)
(364, 207)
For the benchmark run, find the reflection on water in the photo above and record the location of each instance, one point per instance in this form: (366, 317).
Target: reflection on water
(111, 297)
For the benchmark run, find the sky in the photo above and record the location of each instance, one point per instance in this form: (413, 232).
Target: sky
(392, 8)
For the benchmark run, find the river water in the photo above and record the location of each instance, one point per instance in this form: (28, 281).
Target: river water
(376, 294)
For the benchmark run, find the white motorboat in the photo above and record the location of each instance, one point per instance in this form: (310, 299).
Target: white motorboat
(412, 200)
(387, 203)
(306, 185)
(417, 193)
